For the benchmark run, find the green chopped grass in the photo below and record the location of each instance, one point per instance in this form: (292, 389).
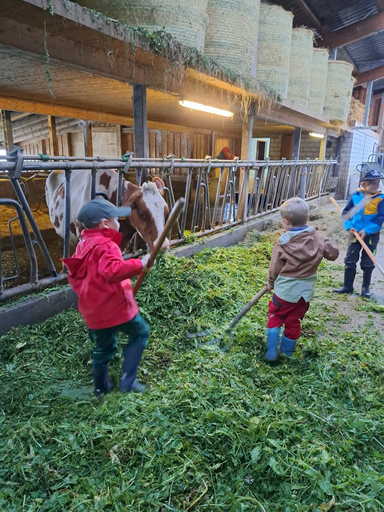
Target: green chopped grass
(215, 431)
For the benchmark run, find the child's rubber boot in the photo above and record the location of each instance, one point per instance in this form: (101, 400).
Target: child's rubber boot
(103, 383)
(132, 358)
(367, 274)
(349, 277)
(272, 353)
(287, 345)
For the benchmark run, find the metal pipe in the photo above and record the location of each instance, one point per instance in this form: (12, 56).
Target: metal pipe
(24, 204)
(187, 195)
(32, 287)
(27, 240)
(67, 213)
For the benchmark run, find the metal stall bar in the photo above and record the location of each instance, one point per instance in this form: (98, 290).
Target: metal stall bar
(28, 244)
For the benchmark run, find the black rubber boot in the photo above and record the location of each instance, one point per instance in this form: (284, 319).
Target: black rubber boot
(367, 274)
(349, 277)
(103, 384)
(132, 358)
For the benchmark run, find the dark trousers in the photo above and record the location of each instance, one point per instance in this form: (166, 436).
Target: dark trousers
(353, 253)
(105, 340)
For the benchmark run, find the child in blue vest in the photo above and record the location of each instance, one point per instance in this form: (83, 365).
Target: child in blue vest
(364, 214)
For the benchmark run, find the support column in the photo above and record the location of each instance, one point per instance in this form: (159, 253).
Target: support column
(380, 123)
(323, 147)
(53, 142)
(140, 123)
(7, 129)
(88, 143)
(333, 53)
(246, 146)
(368, 103)
(296, 143)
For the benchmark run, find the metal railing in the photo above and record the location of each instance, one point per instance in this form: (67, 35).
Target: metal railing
(219, 194)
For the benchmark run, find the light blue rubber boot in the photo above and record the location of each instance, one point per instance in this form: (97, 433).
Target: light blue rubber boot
(272, 353)
(287, 345)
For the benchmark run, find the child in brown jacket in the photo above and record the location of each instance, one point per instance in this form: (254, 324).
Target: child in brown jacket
(292, 275)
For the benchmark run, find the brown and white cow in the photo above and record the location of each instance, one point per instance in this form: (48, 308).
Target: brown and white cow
(149, 210)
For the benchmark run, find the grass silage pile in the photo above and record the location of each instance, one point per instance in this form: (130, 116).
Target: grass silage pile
(215, 431)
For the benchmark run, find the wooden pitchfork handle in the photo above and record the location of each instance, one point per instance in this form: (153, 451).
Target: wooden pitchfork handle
(362, 243)
(247, 307)
(176, 210)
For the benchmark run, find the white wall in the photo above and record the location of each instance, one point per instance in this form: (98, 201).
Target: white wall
(361, 147)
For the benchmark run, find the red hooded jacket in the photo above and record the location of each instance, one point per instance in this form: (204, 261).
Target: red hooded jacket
(100, 278)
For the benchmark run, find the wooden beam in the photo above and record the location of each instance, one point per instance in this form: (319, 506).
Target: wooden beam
(304, 7)
(53, 142)
(354, 32)
(368, 76)
(140, 120)
(296, 143)
(88, 142)
(7, 129)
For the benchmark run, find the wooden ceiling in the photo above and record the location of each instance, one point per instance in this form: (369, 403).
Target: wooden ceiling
(57, 60)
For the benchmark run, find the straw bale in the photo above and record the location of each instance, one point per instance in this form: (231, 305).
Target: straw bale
(300, 65)
(234, 47)
(356, 112)
(186, 21)
(274, 48)
(318, 82)
(338, 91)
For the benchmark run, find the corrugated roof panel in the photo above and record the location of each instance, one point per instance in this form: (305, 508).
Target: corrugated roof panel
(367, 53)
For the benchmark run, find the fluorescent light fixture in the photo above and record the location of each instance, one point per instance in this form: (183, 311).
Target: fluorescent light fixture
(205, 108)
(317, 135)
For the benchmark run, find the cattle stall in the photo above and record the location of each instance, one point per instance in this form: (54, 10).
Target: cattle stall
(219, 194)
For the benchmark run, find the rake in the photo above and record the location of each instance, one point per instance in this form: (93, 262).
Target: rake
(228, 330)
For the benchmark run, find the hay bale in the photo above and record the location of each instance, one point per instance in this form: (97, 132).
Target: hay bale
(186, 21)
(338, 91)
(300, 65)
(318, 81)
(274, 48)
(234, 47)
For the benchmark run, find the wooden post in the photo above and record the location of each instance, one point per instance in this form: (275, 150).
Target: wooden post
(368, 102)
(53, 142)
(88, 143)
(323, 147)
(246, 146)
(140, 123)
(296, 143)
(7, 129)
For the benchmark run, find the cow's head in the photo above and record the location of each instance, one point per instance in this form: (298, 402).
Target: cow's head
(149, 210)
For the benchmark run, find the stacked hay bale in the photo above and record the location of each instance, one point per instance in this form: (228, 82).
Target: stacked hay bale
(274, 48)
(300, 65)
(338, 91)
(233, 45)
(318, 82)
(186, 21)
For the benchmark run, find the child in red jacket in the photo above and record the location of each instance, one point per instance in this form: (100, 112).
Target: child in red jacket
(292, 275)
(100, 278)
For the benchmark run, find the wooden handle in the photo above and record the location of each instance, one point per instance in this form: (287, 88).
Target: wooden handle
(362, 243)
(176, 210)
(248, 306)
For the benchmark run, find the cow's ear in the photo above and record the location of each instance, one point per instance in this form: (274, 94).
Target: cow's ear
(159, 184)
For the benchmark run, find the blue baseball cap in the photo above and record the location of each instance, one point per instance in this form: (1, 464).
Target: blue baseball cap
(371, 175)
(98, 209)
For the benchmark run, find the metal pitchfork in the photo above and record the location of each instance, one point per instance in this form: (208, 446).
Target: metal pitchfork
(229, 329)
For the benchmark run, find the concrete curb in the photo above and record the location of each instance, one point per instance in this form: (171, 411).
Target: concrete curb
(37, 309)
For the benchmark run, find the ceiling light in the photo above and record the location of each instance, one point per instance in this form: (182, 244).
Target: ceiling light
(317, 135)
(205, 108)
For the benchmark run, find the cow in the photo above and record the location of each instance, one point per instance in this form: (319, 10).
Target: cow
(149, 210)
